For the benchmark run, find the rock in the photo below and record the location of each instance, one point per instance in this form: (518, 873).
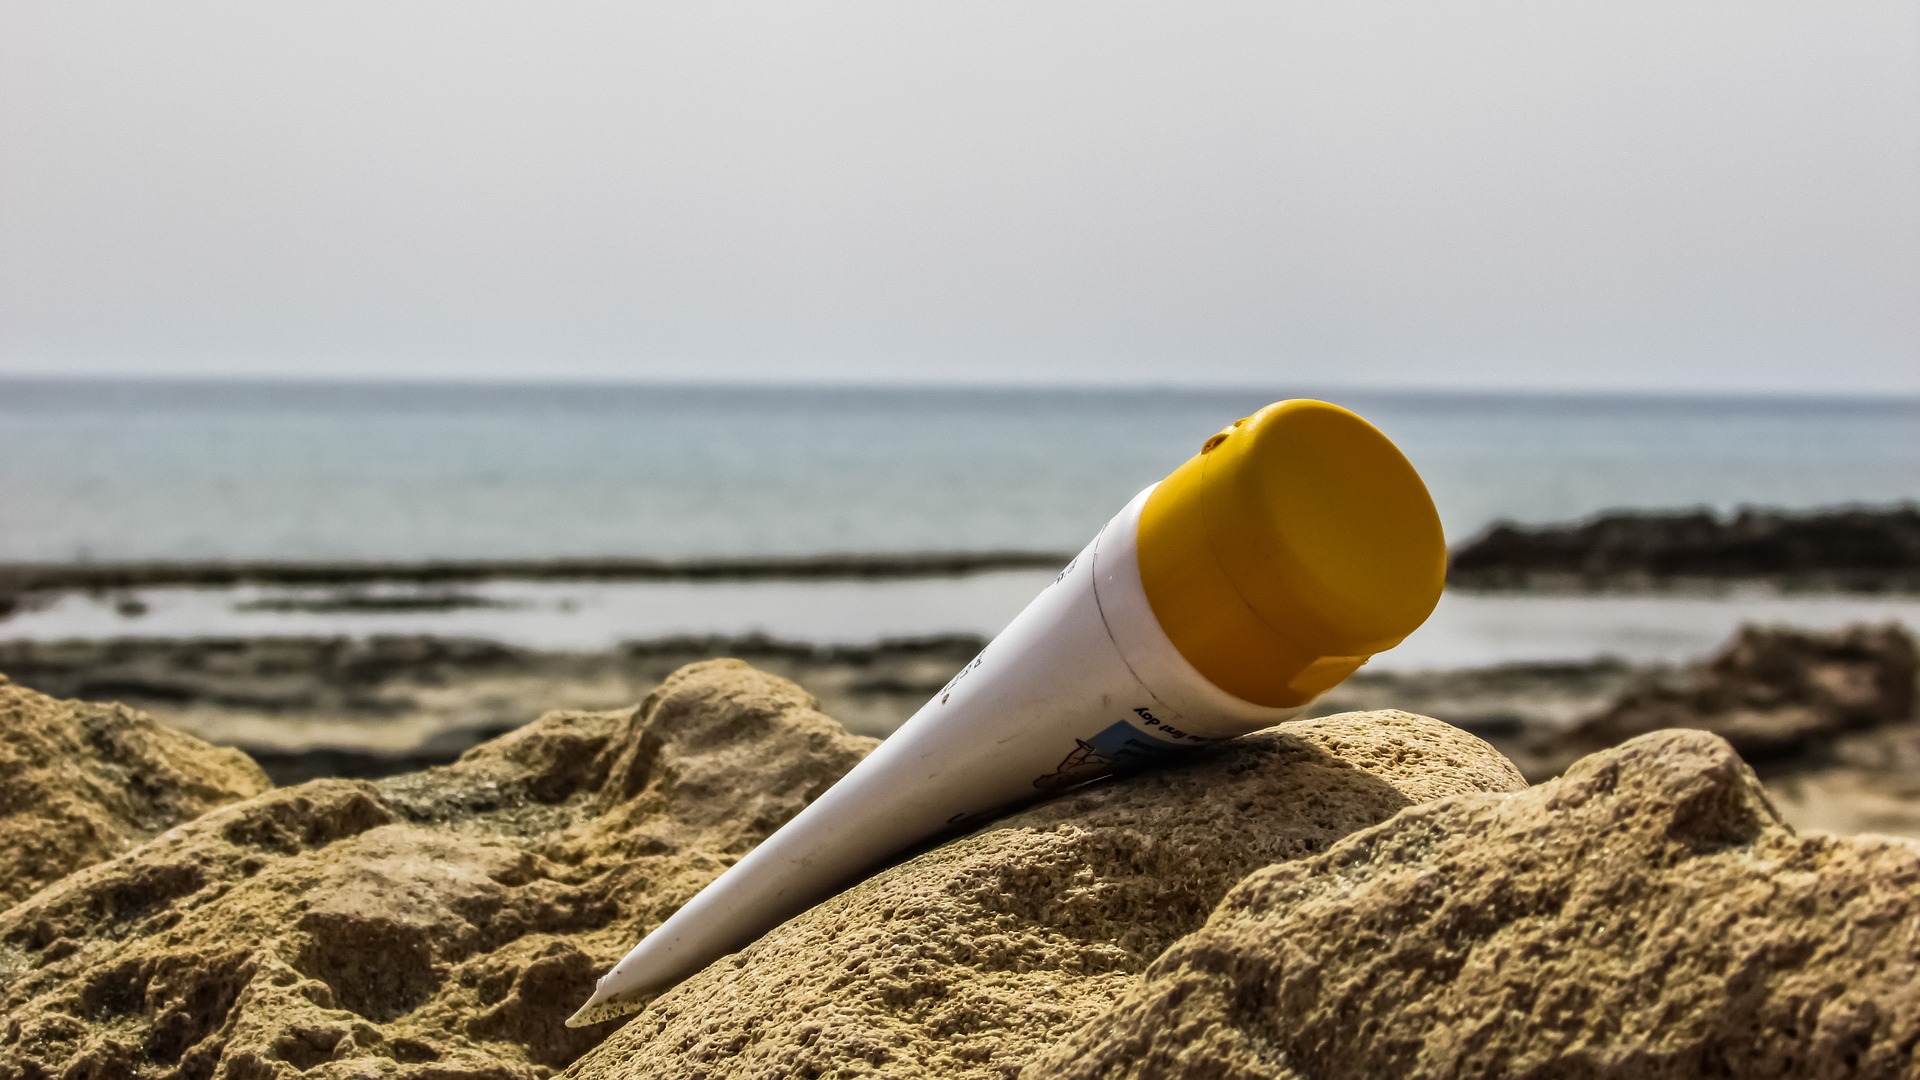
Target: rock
(975, 956)
(1861, 548)
(438, 924)
(1774, 692)
(80, 783)
(1395, 903)
(1646, 915)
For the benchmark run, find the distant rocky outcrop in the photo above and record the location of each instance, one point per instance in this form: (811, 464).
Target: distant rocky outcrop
(1775, 693)
(1867, 549)
(81, 782)
(1646, 916)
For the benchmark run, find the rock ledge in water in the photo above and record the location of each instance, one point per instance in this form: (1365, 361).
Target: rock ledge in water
(1851, 548)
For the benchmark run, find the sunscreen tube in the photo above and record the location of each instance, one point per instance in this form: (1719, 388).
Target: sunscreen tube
(1222, 600)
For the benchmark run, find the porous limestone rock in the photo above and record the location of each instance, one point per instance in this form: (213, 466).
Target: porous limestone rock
(439, 924)
(1645, 916)
(976, 955)
(81, 782)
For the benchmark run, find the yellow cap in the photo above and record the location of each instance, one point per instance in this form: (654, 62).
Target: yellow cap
(1297, 543)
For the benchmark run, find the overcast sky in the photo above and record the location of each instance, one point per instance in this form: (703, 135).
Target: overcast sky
(1621, 196)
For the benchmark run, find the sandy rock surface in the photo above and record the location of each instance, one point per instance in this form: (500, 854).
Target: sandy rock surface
(1371, 894)
(973, 957)
(440, 924)
(1646, 915)
(81, 782)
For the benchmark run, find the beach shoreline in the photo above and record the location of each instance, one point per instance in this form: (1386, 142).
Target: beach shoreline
(1857, 550)
(365, 708)
(403, 701)
(367, 669)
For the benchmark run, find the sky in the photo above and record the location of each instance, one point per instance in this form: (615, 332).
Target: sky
(1695, 197)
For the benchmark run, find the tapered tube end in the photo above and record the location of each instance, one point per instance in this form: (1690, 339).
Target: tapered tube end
(648, 969)
(607, 1004)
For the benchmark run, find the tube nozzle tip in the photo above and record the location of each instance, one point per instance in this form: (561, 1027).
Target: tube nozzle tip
(603, 1006)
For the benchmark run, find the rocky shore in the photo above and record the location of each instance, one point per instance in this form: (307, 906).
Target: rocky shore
(1825, 717)
(371, 707)
(1829, 720)
(1362, 894)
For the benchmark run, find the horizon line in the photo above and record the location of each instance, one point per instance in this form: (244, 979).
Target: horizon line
(560, 381)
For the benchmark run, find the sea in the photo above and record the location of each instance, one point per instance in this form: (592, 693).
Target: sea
(210, 470)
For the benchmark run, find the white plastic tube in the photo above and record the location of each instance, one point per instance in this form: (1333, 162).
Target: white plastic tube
(1084, 682)
(1081, 683)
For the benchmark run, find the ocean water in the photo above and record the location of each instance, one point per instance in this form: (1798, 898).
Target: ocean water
(205, 470)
